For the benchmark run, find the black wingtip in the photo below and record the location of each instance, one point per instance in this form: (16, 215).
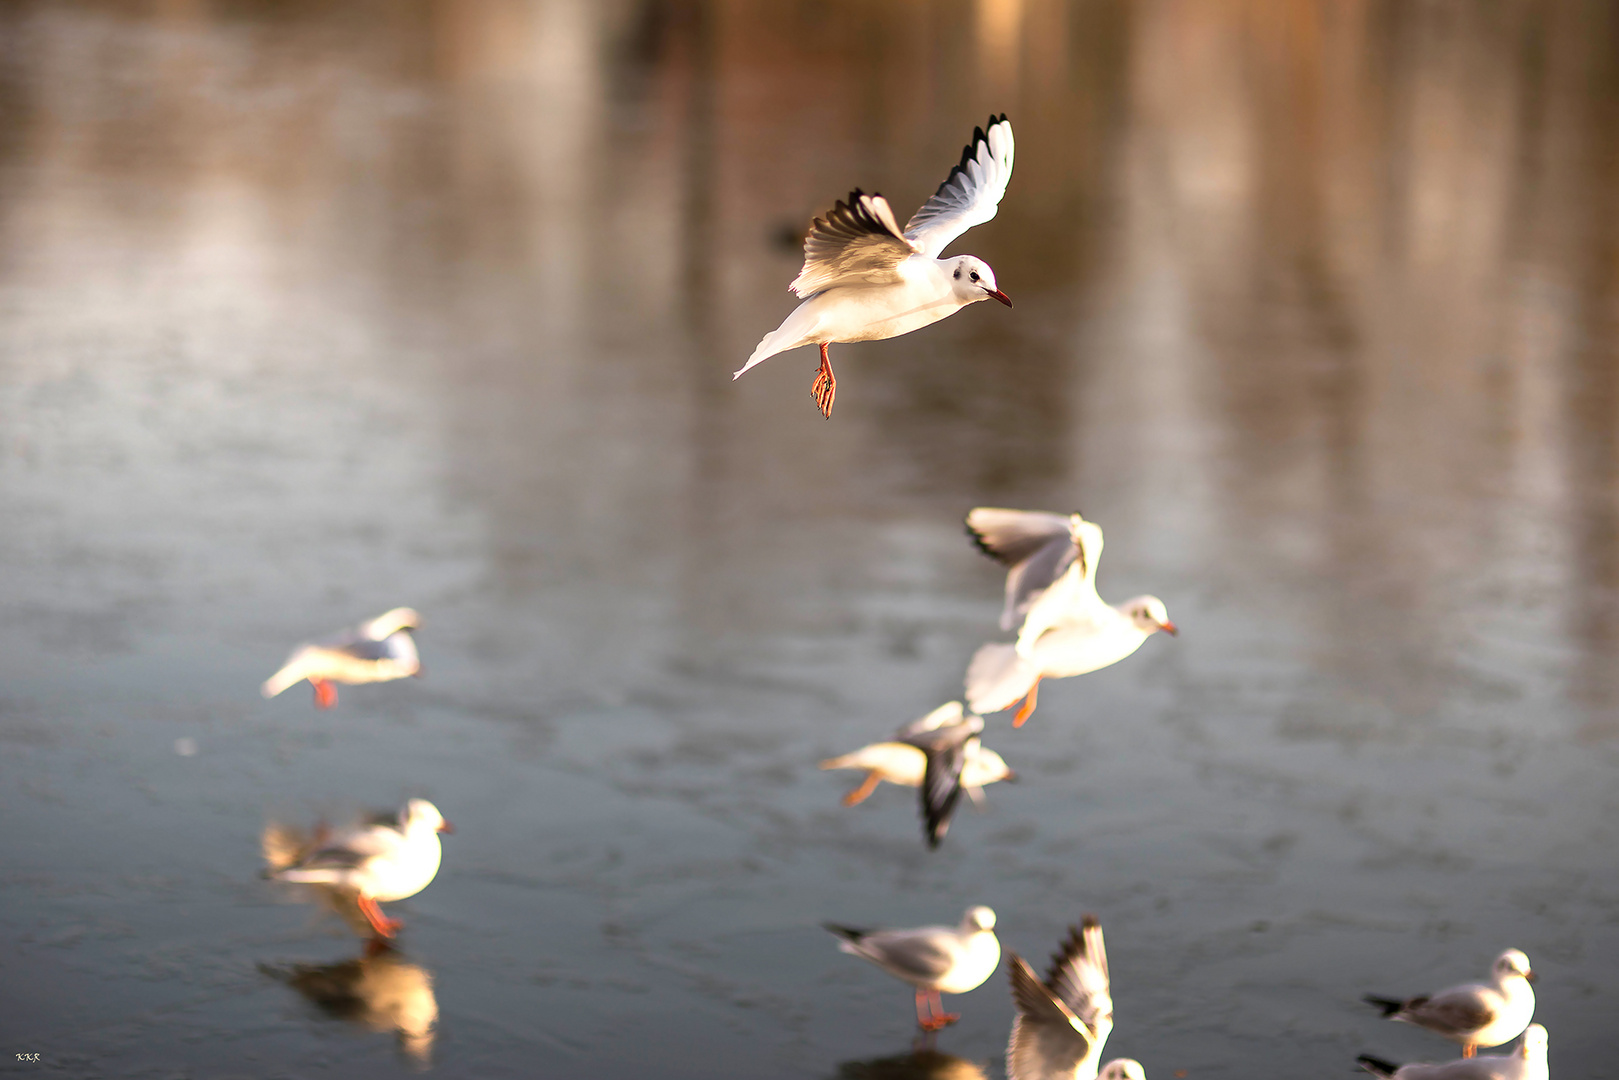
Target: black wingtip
(1378, 1065)
(980, 543)
(1388, 1005)
(1089, 922)
(848, 933)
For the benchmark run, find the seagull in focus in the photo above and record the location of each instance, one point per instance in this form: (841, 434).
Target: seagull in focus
(378, 650)
(1063, 1023)
(1063, 627)
(864, 279)
(933, 959)
(1528, 1062)
(917, 746)
(1474, 1014)
(379, 863)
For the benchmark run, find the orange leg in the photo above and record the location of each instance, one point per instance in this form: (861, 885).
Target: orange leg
(384, 926)
(861, 793)
(1469, 1049)
(936, 1017)
(825, 387)
(325, 693)
(1030, 699)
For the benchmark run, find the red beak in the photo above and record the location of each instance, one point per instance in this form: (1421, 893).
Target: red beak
(446, 828)
(1169, 628)
(1002, 297)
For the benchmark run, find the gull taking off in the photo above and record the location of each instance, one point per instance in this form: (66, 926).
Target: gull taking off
(377, 650)
(901, 761)
(1064, 628)
(865, 280)
(934, 959)
(379, 862)
(1528, 1062)
(1475, 1014)
(1063, 1023)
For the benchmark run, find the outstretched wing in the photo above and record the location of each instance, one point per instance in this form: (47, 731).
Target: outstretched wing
(857, 243)
(946, 751)
(1037, 547)
(971, 193)
(1079, 975)
(1047, 1039)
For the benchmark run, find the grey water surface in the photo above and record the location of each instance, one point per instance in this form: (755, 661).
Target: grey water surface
(309, 310)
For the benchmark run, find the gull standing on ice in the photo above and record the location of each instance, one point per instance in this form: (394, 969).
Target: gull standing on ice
(1473, 1014)
(906, 757)
(1064, 628)
(1528, 1062)
(934, 959)
(865, 280)
(378, 650)
(380, 863)
(1063, 1023)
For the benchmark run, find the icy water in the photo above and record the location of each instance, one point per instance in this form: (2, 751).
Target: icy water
(310, 310)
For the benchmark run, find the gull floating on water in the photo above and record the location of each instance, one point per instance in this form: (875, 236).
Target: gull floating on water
(379, 863)
(1064, 628)
(907, 757)
(934, 959)
(1528, 1062)
(377, 650)
(1474, 1014)
(1063, 1023)
(865, 280)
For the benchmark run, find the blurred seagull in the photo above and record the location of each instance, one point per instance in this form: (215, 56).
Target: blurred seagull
(1064, 628)
(1528, 1062)
(378, 650)
(379, 862)
(905, 758)
(1063, 1023)
(1473, 1014)
(934, 959)
(865, 280)
(380, 990)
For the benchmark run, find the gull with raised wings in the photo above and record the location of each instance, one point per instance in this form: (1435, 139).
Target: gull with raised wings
(865, 280)
(1064, 628)
(1063, 1023)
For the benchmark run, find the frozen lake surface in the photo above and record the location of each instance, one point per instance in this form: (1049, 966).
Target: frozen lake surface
(311, 310)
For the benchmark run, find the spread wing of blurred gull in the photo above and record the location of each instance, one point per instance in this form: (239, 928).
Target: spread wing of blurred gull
(865, 280)
(946, 749)
(380, 862)
(933, 959)
(378, 650)
(901, 760)
(1474, 1014)
(1063, 1023)
(1064, 628)
(1528, 1062)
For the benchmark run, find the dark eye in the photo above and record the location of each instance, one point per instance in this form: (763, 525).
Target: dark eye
(958, 275)
(975, 275)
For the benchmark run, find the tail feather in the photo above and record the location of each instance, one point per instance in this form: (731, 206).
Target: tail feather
(796, 330)
(847, 933)
(997, 678)
(1388, 1005)
(1377, 1066)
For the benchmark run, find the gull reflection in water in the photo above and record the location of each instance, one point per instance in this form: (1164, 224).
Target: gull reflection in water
(379, 990)
(923, 1064)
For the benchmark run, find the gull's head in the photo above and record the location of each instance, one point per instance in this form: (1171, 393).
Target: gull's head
(1510, 963)
(979, 918)
(1534, 1041)
(419, 814)
(1122, 1069)
(988, 766)
(971, 280)
(1149, 615)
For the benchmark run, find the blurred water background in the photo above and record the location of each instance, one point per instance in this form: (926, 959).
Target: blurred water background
(308, 310)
